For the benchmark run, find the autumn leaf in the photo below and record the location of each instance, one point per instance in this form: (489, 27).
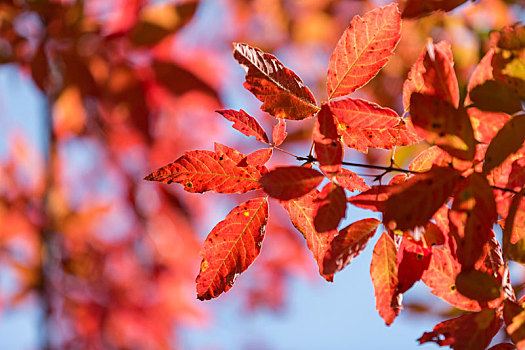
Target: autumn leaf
(282, 92)
(218, 171)
(514, 316)
(440, 123)
(478, 285)
(440, 276)
(289, 182)
(469, 331)
(301, 212)
(330, 208)
(363, 49)
(350, 181)
(495, 96)
(429, 157)
(279, 132)
(372, 199)
(507, 141)
(418, 8)
(327, 144)
(383, 271)
(426, 193)
(364, 124)
(433, 74)
(231, 247)
(245, 124)
(412, 261)
(348, 244)
(257, 158)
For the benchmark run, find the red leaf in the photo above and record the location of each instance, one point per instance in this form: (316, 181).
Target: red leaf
(301, 213)
(514, 316)
(290, 182)
(417, 8)
(495, 96)
(328, 148)
(507, 141)
(383, 270)
(282, 92)
(433, 74)
(363, 49)
(469, 331)
(259, 157)
(279, 132)
(441, 278)
(330, 208)
(348, 244)
(429, 157)
(478, 285)
(440, 123)
(231, 247)
(218, 171)
(373, 199)
(364, 124)
(350, 181)
(245, 124)
(413, 260)
(414, 202)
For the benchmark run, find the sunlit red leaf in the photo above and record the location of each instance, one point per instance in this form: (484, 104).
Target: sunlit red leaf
(327, 144)
(414, 202)
(201, 171)
(440, 123)
(231, 247)
(478, 285)
(350, 241)
(330, 208)
(514, 316)
(372, 199)
(440, 276)
(412, 261)
(245, 123)
(282, 92)
(383, 271)
(433, 74)
(418, 8)
(279, 132)
(258, 158)
(364, 124)
(290, 182)
(350, 181)
(363, 49)
(507, 141)
(301, 212)
(429, 157)
(469, 331)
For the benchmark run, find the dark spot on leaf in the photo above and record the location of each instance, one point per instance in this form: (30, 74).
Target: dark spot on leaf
(221, 158)
(189, 185)
(419, 256)
(453, 288)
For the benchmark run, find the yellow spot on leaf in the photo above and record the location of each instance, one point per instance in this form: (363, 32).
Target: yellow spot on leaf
(246, 213)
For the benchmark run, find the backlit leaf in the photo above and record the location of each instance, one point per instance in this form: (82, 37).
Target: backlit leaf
(245, 124)
(290, 182)
(429, 157)
(418, 8)
(364, 124)
(363, 49)
(218, 171)
(279, 132)
(372, 199)
(495, 96)
(231, 247)
(507, 141)
(412, 261)
(469, 331)
(330, 208)
(440, 123)
(433, 74)
(282, 92)
(350, 181)
(383, 271)
(327, 144)
(350, 241)
(440, 276)
(301, 212)
(257, 158)
(478, 285)
(514, 316)
(414, 202)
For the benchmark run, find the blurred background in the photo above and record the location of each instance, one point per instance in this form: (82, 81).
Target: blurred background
(94, 95)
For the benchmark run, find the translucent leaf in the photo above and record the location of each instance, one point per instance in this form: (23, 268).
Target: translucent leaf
(350, 181)
(507, 141)
(231, 247)
(413, 259)
(514, 316)
(245, 124)
(478, 285)
(330, 208)
(290, 182)
(418, 8)
(327, 144)
(279, 132)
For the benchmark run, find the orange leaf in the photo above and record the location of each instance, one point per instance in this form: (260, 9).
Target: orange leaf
(440, 123)
(507, 141)
(328, 148)
(364, 124)
(290, 182)
(383, 270)
(350, 181)
(433, 74)
(279, 132)
(514, 316)
(469, 331)
(418, 8)
(363, 49)
(414, 202)
(231, 247)
(330, 208)
(495, 96)
(282, 92)
(301, 212)
(218, 171)
(245, 123)
(348, 244)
